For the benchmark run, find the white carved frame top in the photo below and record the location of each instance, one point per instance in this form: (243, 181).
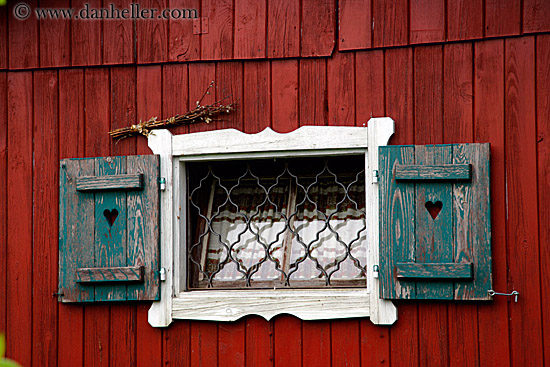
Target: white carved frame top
(229, 305)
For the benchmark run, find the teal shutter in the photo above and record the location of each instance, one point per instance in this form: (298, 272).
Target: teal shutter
(435, 238)
(109, 229)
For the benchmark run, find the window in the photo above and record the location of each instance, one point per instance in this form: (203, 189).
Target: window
(271, 223)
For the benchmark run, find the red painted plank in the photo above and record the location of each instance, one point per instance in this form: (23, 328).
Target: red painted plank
(204, 344)
(118, 37)
(433, 334)
(149, 99)
(399, 93)
(464, 19)
(341, 88)
(390, 22)
(123, 107)
(97, 110)
(543, 154)
(23, 37)
(217, 44)
(489, 127)
(97, 144)
(259, 342)
(149, 340)
(250, 29)
(404, 336)
(177, 345)
(313, 92)
(4, 37)
(369, 85)
(318, 27)
(71, 145)
(428, 77)
(536, 16)
(183, 45)
(287, 341)
(457, 93)
(256, 96)
(86, 36)
(502, 18)
(231, 343)
(201, 75)
(19, 218)
(428, 85)
(355, 25)
(123, 335)
(458, 128)
(229, 86)
(45, 244)
(316, 341)
(283, 28)
(522, 231)
(3, 197)
(284, 89)
(375, 344)
(152, 34)
(175, 93)
(96, 336)
(399, 106)
(55, 46)
(427, 21)
(346, 340)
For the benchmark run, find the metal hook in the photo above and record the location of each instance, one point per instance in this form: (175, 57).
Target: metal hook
(515, 294)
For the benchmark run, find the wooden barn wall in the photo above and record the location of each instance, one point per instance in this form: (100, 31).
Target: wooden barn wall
(65, 95)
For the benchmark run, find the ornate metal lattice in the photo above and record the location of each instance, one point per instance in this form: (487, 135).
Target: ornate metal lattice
(277, 223)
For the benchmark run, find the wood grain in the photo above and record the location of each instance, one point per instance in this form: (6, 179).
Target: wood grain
(283, 28)
(19, 218)
(341, 89)
(45, 258)
(3, 197)
(464, 19)
(369, 86)
(536, 16)
(318, 27)
(493, 337)
(502, 18)
(257, 100)
(183, 44)
(217, 44)
(313, 85)
(284, 97)
(391, 22)
(152, 34)
(522, 207)
(118, 37)
(440, 172)
(55, 46)
(23, 42)
(250, 29)
(86, 37)
(427, 21)
(113, 274)
(355, 25)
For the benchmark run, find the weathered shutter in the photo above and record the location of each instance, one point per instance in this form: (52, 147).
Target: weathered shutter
(435, 238)
(109, 229)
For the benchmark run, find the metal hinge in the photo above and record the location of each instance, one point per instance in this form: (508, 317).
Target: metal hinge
(162, 274)
(375, 271)
(162, 182)
(375, 176)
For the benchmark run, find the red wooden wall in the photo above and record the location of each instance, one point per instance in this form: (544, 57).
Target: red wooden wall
(64, 84)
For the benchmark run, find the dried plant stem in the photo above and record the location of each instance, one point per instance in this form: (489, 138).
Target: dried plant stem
(198, 114)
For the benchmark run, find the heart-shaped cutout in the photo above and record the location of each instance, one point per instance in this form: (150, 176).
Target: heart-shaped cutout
(110, 215)
(434, 208)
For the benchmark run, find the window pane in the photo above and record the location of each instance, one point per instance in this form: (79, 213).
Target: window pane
(266, 223)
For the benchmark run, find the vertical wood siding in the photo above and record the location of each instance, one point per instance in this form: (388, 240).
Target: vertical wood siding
(472, 90)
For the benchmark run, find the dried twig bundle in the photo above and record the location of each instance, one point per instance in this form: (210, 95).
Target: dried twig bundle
(198, 114)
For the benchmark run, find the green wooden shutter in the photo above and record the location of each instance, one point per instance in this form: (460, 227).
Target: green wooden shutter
(109, 229)
(435, 238)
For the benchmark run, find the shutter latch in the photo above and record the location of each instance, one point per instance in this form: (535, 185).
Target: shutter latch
(375, 176)
(514, 294)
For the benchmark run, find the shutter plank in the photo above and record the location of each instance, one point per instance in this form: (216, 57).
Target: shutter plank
(472, 221)
(143, 234)
(433, 172)
(397, 235)
(76, 223)
(111, 182)
(433, 236)
(110, 238)
(435, 271)
(115, 274)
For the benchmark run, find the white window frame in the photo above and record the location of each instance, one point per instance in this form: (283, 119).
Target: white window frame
(230, 305)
